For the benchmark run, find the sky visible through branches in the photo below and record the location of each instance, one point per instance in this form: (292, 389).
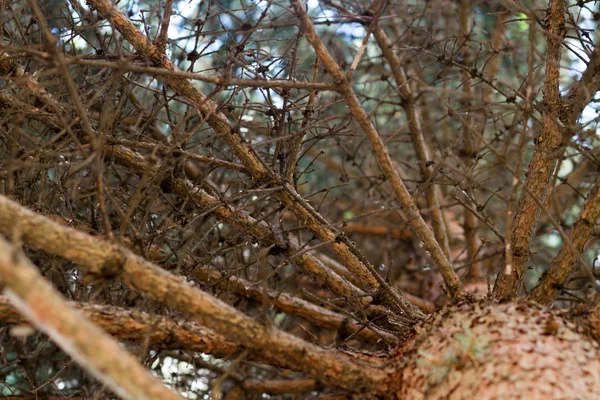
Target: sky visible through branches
(228, 187)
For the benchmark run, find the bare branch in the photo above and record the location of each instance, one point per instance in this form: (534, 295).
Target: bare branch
(385, 162)
(541, 166)
(93, 349)
(413, 115)
(105, 259)
(580, 95)
(562, 265)
(259, 170)
(138, 327)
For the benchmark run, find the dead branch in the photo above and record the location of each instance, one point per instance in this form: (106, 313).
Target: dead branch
(414, 217)
(556, 277)
(93, 349)
(258, 170)
(139, 327)
(106, 259)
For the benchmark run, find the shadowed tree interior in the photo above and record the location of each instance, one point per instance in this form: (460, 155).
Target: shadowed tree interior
(325, 199)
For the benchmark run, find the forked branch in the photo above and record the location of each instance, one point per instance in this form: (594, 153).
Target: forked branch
(103, 259)
(260, 172)
(415, 220)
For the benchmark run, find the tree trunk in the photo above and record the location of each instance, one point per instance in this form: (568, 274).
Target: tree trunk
(494, 351)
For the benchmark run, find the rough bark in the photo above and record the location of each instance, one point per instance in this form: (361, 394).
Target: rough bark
(93, 349)
(500, 351)
(138, 327)
(541, 166)
(109, 260)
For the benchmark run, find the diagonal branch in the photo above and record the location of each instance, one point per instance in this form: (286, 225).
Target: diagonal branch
(580, 95)
(455, 287)
(259, 230)
(105, 259)
(259, 171)
(413, 116)
(562, 265)
(93, 349)
(542, 164)
(160, 332)
(294, 306)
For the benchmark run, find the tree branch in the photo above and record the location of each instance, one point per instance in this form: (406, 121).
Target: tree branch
(259, 171)
(580, 95)
(541, 166)
(106, 259)
(93, 349)
(138, 327)
(413, 116)
(562, 265)
(455, 287)
(239, 220)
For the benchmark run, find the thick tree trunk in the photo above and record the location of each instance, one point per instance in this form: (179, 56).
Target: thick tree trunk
(499, 351)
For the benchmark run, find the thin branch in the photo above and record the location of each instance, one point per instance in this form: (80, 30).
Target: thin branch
(562, 265)
(217, 80)
(580, 95)
(259, 171)
(163, 35)
(470, 225)
(455, 287)
(296, 145)
(208, 204)
(414, 118)
(102, 259)
(93, 349)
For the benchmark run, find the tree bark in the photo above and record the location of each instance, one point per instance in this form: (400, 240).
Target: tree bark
(496, 351)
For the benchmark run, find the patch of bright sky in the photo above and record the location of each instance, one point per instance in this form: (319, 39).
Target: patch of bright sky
(171, 366)
(552, 239)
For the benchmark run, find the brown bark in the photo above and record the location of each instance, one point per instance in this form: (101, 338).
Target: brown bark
(93, 349)
(124, 155)
(138, 327)
(490, 351)
(106, 259)
(295, 306)
(541, 166)
(468, 350)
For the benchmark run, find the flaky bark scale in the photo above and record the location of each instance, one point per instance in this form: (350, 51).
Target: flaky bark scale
(500, 351)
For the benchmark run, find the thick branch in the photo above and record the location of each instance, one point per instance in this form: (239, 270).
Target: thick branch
(589, 319)
(294, 306)
(542, 165)
(105, 259)
(93, 349)
(140, 327)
